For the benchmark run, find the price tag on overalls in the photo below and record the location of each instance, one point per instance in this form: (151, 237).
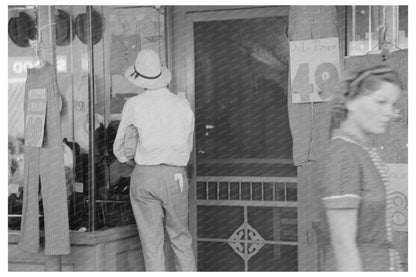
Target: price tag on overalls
(35, 118)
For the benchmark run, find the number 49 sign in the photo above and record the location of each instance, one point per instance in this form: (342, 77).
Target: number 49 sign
(314, 69)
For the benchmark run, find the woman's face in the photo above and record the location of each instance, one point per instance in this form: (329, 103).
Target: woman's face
(372, 113)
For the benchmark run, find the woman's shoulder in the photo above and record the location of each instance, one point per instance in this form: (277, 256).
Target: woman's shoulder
(342, 144)
(344, 150)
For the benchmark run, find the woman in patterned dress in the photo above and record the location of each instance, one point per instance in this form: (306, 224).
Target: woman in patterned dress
(355, 192)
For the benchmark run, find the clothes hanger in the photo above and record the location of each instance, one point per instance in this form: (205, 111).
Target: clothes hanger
(383, 45)
(377, 48)
(40, 46)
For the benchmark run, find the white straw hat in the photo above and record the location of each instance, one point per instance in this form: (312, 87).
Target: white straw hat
(147, 72)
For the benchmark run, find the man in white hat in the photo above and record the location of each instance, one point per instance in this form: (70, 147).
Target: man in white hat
(159, 185)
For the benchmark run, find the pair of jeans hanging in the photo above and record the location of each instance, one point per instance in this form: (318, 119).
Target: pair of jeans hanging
(45, 165)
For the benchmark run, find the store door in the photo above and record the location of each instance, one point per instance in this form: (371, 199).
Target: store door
(243, 197)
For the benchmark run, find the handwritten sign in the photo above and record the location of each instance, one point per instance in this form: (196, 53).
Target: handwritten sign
(314, 69)
(397, 174)
(35, 118)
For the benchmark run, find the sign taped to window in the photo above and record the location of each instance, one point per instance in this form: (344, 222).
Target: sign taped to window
(398, 180)
(35, 118)
(314, 69)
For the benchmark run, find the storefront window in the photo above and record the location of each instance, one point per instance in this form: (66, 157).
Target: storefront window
(130, 30)
(93, 91)
(22, 30)
(373, 28)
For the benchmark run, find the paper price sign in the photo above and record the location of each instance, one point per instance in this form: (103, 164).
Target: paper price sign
(314, 69)
(35, 118)
(398, 181)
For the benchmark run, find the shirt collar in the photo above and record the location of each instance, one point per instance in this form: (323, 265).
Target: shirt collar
(341, 133)
(158, 91)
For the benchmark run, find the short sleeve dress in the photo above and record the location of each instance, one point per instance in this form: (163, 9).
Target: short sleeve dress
(354, 178)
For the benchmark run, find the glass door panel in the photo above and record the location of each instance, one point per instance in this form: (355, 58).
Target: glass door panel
(241, 73)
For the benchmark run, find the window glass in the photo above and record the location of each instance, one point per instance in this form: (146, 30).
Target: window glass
(372, 28)
(131, 29)
(21, 57)
(83, 73)
(403, 26)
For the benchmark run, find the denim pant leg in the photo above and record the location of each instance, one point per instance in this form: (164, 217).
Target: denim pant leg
(29, 230)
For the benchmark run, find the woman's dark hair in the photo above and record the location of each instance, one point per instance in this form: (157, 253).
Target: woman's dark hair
(358, 81)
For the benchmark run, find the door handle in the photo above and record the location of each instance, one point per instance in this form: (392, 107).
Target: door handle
(313, 232)
(309, 237)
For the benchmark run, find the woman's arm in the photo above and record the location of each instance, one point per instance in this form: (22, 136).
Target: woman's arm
(343, 229)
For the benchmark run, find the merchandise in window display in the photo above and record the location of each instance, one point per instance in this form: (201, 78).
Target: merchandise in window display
(123, 49)
(81, 27)
(63, 28)
(22, 29)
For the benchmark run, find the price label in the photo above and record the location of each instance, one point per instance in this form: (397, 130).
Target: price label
(314, 69)
(399, 218)
(79, 106)
(13, 188)
(397, 175)
(78, 187)
(35, 118)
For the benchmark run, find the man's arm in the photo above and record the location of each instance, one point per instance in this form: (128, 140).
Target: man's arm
(127, 118)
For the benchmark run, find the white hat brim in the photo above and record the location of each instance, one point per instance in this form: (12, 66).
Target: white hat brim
(162, 81)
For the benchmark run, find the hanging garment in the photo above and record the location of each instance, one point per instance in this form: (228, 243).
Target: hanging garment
(45, 164)
(124, 49)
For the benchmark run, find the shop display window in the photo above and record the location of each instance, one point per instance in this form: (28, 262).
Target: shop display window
(373, 28)
(93, 91)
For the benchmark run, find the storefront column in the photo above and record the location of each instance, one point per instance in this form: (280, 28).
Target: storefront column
(309, 124)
